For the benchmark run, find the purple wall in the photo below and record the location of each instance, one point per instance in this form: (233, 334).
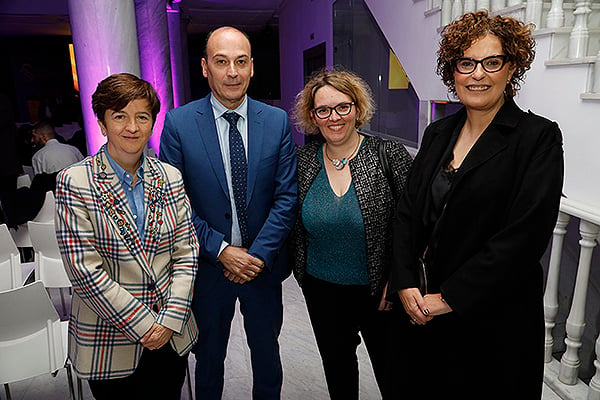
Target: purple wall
(34, 7)
(302, 25)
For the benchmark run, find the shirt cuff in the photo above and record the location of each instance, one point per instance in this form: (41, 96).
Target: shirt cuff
(223, 245)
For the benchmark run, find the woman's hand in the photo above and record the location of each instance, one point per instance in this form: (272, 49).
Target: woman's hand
(384, 305)
(415, 305)
(156, 337)
(436, 304)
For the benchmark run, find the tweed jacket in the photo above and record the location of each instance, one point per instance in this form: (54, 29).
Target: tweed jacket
(116, 276)
(375, 200)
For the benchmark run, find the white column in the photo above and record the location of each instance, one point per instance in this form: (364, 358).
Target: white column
(569, 363)
(483, 5)
(176, 51)
(533, 12)
(185, 21)
(498, 4)
(105, 42)
(470, 6)
(514, 3)
(155, 59)
(580, 35)
(556, 15)
(457, 9)
(594, 389)
(551, 293)
(446, 12)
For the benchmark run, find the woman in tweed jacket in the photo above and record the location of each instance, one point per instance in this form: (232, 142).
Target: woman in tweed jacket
(124, 229)
(341, 240)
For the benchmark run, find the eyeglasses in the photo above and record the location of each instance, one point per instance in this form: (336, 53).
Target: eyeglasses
(467, 65)
(325, 111)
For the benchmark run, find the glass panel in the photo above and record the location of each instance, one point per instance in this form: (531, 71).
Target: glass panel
(359, 45)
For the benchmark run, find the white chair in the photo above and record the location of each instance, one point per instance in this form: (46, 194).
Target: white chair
(23, 181)
(49, 267)
(32, 337)
(10, 261)
(28, 169)
(46, 214)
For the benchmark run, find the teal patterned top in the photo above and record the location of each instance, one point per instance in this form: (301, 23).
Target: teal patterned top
(336, 250)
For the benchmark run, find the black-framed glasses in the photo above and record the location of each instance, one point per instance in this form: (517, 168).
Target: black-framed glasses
(467, 65)
(341, 109)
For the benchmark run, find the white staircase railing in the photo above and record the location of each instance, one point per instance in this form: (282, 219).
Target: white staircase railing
(562, 377)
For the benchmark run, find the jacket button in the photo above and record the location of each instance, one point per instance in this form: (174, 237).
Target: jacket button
(227, 216)
(151, 286)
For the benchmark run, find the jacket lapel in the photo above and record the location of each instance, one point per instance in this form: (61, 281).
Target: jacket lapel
(154, 204)
(113, 204)
(493, 139)
(255, 145)
(208, 135)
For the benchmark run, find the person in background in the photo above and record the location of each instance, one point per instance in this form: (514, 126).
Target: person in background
(52, 155)
(478, 211)
(25, 147)
(341, 242)
(124, 229)
(238, 162)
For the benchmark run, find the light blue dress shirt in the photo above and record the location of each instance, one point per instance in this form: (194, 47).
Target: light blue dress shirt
(135, 193)
(223, 135)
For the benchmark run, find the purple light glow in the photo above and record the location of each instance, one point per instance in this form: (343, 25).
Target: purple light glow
(105, 42)
(155, 60)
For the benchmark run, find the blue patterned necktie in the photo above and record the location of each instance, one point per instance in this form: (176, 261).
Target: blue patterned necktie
(239, 173)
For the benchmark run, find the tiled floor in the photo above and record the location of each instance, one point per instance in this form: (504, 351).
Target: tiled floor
(303, 373)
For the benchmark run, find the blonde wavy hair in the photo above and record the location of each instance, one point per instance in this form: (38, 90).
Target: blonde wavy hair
(346, 82)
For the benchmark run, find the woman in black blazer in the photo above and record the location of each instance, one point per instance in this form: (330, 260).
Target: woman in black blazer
(479, 208)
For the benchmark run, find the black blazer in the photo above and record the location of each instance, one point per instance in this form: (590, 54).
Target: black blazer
(499, 216)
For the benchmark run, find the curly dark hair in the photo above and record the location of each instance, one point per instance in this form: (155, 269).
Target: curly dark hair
(118, 90)
(516, 38)
(342, 80)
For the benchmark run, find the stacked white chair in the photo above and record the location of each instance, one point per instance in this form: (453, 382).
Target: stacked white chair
(32, 337)
(46, 214)
(49, 267)
(10, 261)
(23, 181)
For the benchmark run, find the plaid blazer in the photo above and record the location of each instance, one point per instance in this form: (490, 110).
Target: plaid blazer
(116, 277)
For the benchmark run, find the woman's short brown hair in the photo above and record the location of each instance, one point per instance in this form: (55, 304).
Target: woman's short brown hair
(516, 38)
(346, 82)
(118, 90)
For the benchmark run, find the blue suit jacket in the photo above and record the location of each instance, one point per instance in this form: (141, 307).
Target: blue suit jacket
(189, 142)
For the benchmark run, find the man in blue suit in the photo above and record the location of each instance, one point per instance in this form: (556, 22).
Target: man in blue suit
(240, 174)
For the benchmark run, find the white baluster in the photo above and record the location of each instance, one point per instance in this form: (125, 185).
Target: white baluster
(457, 9)
(498, 4)
(514, 3)
(470, 6)
(556, 15)
(483, 4)
(446, 12)
(533, 12)
(594, 389)
(551, 293)
(596, 86)
(580, 35)
(569, 363)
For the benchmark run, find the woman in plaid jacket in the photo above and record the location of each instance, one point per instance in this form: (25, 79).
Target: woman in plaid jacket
(123, 223)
